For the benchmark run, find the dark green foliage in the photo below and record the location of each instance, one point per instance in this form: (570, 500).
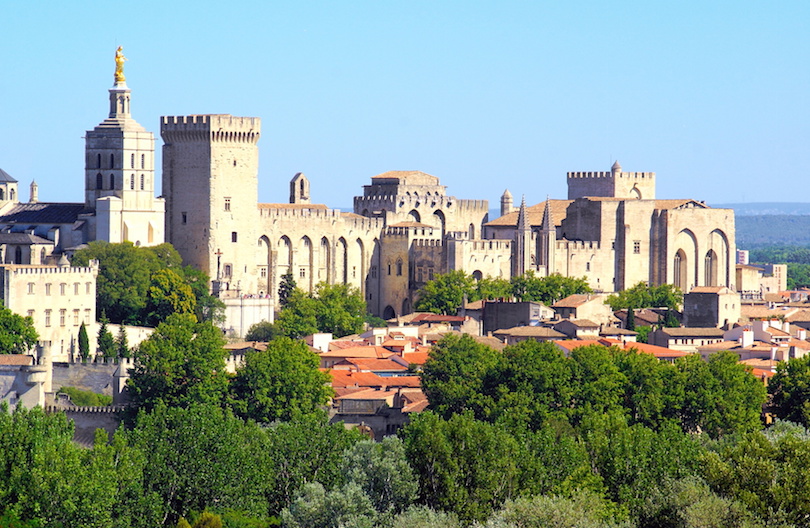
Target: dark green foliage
(631, 319)
(307, 449)
(453, 377)
(182, 362)
(445, 293)
(280, 383)
(338, 309)
(121, 343)
(130, 292)
(465, 466)
(582, 510)
(17, 333)
(790, 390)
(285, 288)
(547, 290)
(202, 456)
(84, 342)
(105, 341)
(375, 322)
(263, 331)
(84, 398)
(643, 295)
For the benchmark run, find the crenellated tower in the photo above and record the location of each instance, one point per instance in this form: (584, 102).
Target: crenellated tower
(614, 183)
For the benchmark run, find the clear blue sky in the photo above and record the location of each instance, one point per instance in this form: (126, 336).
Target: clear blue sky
(712, 96)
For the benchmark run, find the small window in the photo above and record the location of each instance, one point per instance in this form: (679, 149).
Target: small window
(132, 182)
(587, 266)
(637, 246)
(263, 272)
(47, 289)
(143, 161)
(227, 270)
(112, 161)
(99, 183)
(30, 314)
(234, 236)
(87, 287)
(302, 272)
(132, 161)
(399, 268)
(234, 163)
(373, 272)
(184, 218)
(30, 288)
(112, 181)
(47, 318)
(62, 288)
(227, 204)
(98, 161)
(87, 316)
(389, 268)
(76, 317)
(430, 274)
(62, 317)
(142, 181)
(75, 288)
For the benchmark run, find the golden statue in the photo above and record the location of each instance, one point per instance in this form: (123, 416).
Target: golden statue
(119, 65)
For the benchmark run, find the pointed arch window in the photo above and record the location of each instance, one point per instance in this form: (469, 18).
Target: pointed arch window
(132, 161)
(99, 183)
(112, 161)
(98, 161)
(112, 181)
(132, 182)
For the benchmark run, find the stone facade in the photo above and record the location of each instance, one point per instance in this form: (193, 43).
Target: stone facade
(59, 299)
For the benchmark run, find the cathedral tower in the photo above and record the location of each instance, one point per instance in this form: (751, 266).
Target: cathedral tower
(119, 181)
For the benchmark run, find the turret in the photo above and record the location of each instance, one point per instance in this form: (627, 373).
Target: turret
(506, 203)
(299, 189)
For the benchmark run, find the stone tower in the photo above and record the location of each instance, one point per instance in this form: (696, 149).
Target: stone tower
(547, 240)
(614, 183)
(210, 180)
(299, 189)
(506, 203)
(119, 174)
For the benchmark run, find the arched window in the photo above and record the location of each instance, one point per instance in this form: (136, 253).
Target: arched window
(141, 181)
(132, 182)
(11, 194)
(143, 161)
(132, 161)
(99, 183)
(2, 194)
(98, 161)
(112, 161)
(112, 181)
(399, 267)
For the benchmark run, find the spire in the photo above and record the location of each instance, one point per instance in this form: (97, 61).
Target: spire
(34, 192)
(548, 220)
(506, 203)
(523, 221)
(616, 167)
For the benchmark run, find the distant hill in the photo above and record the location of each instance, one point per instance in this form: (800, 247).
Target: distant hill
(772, 230)
(767, 208)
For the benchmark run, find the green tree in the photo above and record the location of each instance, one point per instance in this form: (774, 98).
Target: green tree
(207, 307)
(84, 342)
(285, 288)
(424, 517)
(382, 471)
(202, 456)
(181, 363)
(105, 341)
(263, 331)
(341, 309)
(17, 333)
(280, 383)
(721, 396)
(445, 293)
(464, 466)
(298, 318)
(582, 510)
(168, 294)
(643, 295)
(790, 390)
(631, 319)
(121, 343)
(549, 289)
(314, 507)
(492, 288)
(453, 376)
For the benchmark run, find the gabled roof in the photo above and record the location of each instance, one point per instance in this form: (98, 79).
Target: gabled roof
(16, 359)
(23, 239)
(358, 352)
(574, 301)
(693, 332)
(529, 331)
(43, 213)
(534, 214)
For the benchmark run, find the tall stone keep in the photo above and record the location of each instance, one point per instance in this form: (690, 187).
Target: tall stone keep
(210, 179)
(119, 174)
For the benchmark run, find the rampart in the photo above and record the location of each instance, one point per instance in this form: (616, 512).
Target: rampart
(212, 127)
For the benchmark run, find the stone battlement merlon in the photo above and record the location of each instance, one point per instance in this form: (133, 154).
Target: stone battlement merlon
(40, 270)
(602, 174)
(213, 127)
(578, 244)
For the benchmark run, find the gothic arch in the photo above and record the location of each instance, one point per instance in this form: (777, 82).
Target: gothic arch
(710, 268)
(686, 243)
(718, 242)
(360, 279)
(389, 313)
(439, 220)
(680, 270)
(471, 231)
(264, 264)
(342, 261)
(324, 261)
(406, 306)
(303, 273)
(415, 216)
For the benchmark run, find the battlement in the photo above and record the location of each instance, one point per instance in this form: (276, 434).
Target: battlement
(29, 269)
(412, 201)
(211, 127)
(405, 231)
(610, 174)
(579, 245)
(428, 242)
(293, 214)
